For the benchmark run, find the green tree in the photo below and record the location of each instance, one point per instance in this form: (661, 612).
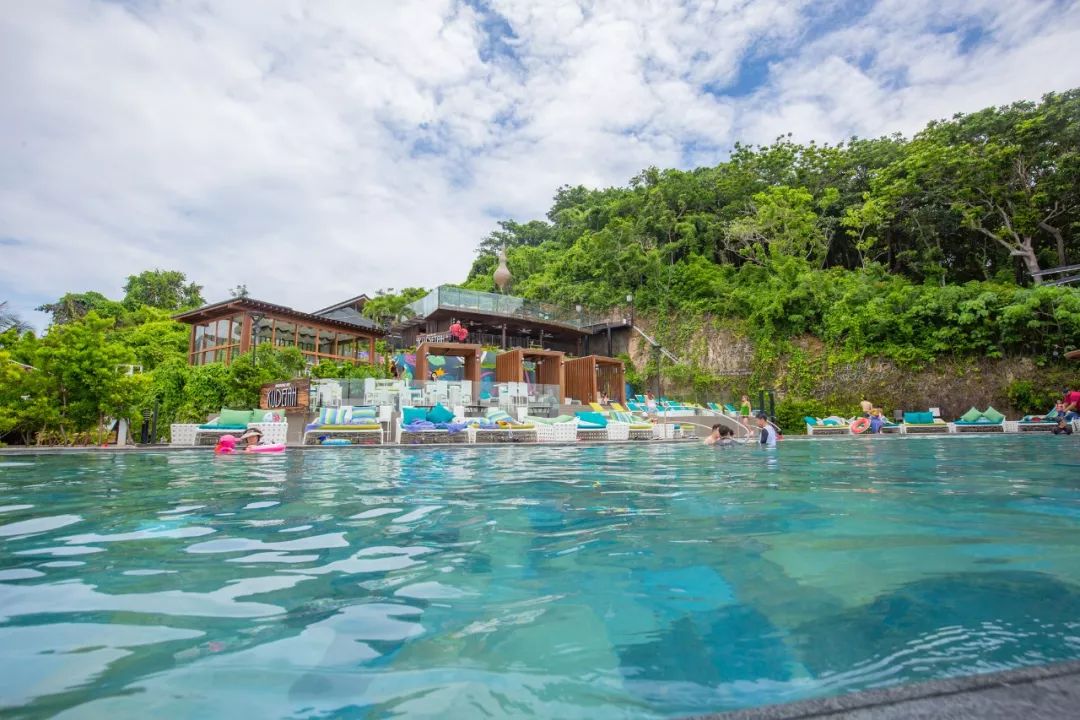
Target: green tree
(164, 289)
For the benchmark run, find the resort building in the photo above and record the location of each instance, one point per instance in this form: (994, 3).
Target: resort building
(223, 330)
(506, 322)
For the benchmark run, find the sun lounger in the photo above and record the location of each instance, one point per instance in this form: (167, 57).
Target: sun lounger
(498, 426)
(591, 427)
(637, 429)
(228, 422)
(560, 429)
(831, 425)
(1038, 423)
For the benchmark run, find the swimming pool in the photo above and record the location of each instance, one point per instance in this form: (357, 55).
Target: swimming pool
(577, 582)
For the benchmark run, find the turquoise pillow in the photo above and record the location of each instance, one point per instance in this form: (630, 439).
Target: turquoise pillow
(971, 416)
(364, 411)
(410, 415)
(593, 418)
(811, 421)
(993, 415)
(234, 417)
(215, 426)
(337, 441)
(439, 414)
(830, 421)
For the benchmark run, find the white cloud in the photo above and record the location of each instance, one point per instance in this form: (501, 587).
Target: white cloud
(313, 150)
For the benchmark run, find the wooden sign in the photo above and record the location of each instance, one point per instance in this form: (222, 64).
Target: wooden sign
(287, 396)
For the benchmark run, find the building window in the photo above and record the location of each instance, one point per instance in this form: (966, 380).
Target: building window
(284, 334)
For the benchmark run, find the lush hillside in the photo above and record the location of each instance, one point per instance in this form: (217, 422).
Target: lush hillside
(913, 250)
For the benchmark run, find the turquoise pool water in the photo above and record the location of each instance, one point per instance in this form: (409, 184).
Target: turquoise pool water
(592, 582)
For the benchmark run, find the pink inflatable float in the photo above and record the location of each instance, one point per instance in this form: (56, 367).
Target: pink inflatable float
(227, 446)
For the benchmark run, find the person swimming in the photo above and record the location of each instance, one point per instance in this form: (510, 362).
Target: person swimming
(720, 435)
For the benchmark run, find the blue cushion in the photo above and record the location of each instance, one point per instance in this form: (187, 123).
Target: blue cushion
(410, 415)
(215, 426)
(811, 421)
(439, 414)
(364, 411)
(337, 441)
(593, 418)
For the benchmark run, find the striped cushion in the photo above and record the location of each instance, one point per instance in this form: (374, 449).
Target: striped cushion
(364, 411)
(336, 416)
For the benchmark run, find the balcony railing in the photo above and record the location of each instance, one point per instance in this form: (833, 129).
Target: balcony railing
(451, 298)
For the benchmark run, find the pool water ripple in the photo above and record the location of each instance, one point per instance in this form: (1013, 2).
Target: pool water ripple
(588, 582)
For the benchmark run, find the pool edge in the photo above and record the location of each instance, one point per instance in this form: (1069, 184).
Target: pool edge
(1034, 693)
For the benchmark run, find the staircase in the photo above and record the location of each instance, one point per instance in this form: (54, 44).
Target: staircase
(655, 344)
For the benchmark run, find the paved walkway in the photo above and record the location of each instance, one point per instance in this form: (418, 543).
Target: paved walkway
(1037, 693)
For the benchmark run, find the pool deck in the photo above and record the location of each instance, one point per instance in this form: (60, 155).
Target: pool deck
(1043, 692)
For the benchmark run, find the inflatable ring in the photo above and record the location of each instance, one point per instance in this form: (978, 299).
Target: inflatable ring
(860, 426)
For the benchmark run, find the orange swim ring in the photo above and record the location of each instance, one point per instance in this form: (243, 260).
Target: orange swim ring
(860, 426)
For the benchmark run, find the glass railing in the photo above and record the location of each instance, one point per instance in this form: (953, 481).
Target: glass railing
(453, 298)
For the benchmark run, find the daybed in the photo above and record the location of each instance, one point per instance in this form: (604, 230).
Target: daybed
(923, 423)
(359, 425)
(974, 420)
(437, 426)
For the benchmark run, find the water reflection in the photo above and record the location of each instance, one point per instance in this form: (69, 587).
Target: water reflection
(560, 582)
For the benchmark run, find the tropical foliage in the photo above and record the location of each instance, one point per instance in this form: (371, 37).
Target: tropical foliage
(909, 249)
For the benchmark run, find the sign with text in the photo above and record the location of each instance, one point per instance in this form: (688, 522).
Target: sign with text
(292, 395)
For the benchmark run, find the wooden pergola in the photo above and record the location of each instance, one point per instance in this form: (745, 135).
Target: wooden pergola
(586, 376)
(509, 367)
(469, 353)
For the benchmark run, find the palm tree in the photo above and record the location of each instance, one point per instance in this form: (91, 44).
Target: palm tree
(9, 320)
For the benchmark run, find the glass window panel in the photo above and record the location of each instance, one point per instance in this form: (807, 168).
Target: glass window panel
(285, 334)
(200, 337)
(307, 338)
(346, 345)
(326, 342)
(223, 332)
(237, 329)
(264, 330)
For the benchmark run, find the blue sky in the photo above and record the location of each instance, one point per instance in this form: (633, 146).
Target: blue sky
(315, 150)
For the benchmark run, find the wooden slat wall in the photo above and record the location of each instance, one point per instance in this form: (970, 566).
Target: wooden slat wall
(553, 372)
(581, 379)
(509, 368)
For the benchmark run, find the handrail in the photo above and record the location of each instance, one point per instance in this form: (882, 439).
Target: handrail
(655, 344)
(1055, 271)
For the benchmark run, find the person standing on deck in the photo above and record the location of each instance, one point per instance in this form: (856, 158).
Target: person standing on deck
(650, 404)
(745, 410)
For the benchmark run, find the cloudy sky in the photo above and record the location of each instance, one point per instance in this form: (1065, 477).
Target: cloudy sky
(316, 150)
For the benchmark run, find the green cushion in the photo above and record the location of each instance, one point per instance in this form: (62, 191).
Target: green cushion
(439, 414)
(971, 416)
(593, 418)
(585, 425)
(234, 417)
(410, 415)
(993, 415)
